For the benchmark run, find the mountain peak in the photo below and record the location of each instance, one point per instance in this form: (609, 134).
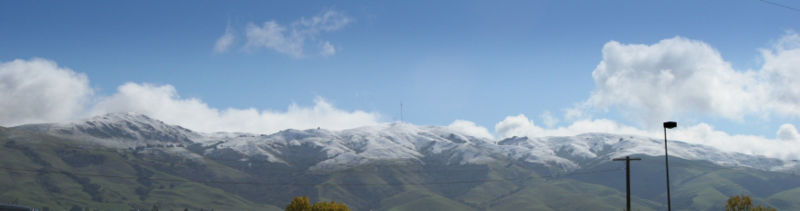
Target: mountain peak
(131, 128)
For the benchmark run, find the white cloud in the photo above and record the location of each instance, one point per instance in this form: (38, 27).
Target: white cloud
(470, 128)
(272, 35)
(38, 90)
(520, 125)
(549, 119)
(677, 77)
(576, 112)
(781, 72)
(672, 77)
(164, 103)
(290, 39)
(328, 20)
(327, 49)
(225, 41)
(749, 144)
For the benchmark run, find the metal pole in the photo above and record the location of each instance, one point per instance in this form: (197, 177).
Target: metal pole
(666, 162)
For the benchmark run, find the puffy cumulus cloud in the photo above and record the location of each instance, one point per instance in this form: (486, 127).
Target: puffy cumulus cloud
(678, 76)
(780, 72)
(225, 41)
(290, 39)
(470, 128)
(518, 125)
(784, 147)
(38, 90)
(164, 103)
(672, 77)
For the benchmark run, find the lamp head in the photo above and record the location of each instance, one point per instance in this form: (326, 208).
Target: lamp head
(670, 125)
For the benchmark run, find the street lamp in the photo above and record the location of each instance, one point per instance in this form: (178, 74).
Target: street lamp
(668, 125)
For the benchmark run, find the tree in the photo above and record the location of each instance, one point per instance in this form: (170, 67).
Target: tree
(329, 206)
(301, 203)
(743, 203)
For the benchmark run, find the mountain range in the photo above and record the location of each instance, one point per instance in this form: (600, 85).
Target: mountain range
(128, 161)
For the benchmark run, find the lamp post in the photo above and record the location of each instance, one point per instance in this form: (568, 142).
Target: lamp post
(668, 125)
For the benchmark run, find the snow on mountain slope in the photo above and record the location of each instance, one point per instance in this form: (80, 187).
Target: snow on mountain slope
(320, 149)
(593, 148)
(118, 130)
(395, 142)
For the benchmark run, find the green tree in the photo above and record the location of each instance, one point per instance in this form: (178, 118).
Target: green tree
(743, 203)
(329, 206)
(301, 203)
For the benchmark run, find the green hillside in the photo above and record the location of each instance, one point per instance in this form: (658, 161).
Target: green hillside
(44, 171)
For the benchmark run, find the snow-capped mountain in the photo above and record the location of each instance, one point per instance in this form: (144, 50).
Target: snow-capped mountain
(595, 148)
(320, 149)
(119, 130)
(395, 142)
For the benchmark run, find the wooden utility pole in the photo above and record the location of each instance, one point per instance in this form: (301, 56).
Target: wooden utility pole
(627, 160)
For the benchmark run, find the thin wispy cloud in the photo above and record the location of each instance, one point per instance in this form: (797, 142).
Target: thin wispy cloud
(549, 119)
(226, 41)
(327, 49)
(293, 39)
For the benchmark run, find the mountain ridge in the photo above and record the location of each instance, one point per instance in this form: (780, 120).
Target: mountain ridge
(388, 166)
(397, 141)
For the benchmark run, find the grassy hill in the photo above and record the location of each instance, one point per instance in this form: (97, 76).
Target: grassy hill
(46, 171)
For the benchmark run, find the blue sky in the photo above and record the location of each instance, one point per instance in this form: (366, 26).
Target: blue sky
(445, 60)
